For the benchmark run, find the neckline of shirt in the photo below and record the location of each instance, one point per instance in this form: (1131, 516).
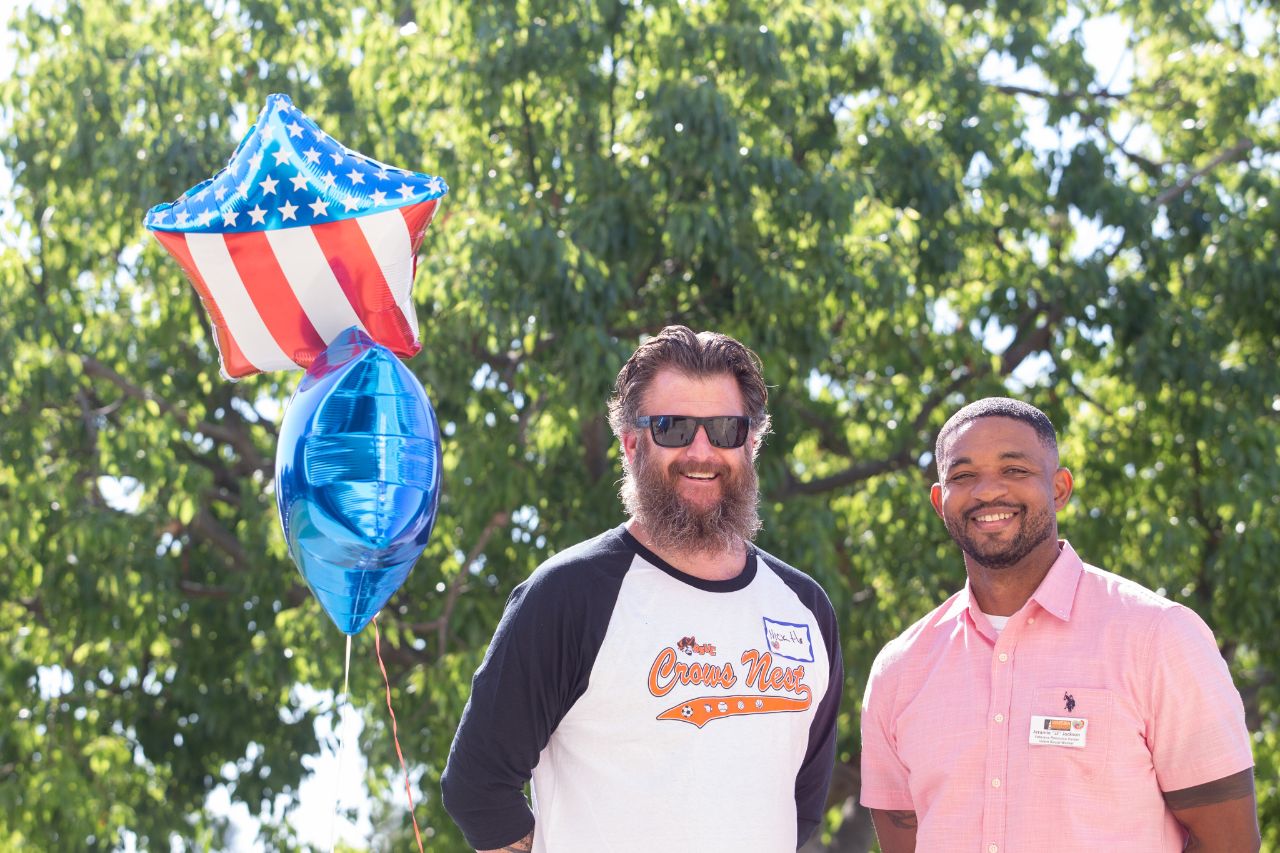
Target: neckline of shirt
(742, 581)
(997, 622)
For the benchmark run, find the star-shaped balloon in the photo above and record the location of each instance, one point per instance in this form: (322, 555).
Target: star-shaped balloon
(297, 239)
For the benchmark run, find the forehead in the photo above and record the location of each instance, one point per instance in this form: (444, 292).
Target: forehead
(674, 393)
(993, 438)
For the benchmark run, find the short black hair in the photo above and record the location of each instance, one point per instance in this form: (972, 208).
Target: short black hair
(998, 407)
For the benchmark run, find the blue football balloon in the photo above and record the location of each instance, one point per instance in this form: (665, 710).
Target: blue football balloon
(357, 477)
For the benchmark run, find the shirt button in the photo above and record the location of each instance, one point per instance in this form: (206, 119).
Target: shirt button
(999, 718)
(1003, 657)
(991, 848)
(995, 783)
(1030, 621)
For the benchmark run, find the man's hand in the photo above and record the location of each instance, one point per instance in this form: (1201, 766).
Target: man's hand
(896, 830)
(1221, 816)
(524, 845)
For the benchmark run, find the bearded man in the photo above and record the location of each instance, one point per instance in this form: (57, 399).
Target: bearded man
(666, 685)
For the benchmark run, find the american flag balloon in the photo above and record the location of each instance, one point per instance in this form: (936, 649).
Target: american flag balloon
(297, 239)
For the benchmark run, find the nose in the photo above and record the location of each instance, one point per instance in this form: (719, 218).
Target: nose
(988, 489)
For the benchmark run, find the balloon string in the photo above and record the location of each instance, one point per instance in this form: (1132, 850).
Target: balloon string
(377, 645)
(342, 747)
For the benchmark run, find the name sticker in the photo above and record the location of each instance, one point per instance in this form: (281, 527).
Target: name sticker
(788, 640)
(1059, 731)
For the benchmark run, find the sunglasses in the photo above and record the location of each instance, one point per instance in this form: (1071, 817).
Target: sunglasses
(724, 431)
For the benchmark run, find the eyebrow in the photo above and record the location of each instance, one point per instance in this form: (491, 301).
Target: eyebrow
(1008, 454)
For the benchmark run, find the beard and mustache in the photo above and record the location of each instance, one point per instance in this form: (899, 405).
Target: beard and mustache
(1036, 527)
(650, 495)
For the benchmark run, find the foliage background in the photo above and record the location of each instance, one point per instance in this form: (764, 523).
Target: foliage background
(900, 206)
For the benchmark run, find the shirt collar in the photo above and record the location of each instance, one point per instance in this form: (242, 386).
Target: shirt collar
(1056, 593)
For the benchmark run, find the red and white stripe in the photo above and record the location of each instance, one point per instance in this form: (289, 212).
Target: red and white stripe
(278, 297)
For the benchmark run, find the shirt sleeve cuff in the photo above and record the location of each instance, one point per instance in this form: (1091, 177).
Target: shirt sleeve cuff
(886, 800)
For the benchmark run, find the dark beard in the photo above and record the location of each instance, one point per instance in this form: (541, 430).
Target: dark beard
(650, 497)
(1036, 528)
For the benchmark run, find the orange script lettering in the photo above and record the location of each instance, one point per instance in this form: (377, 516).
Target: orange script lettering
(667, 671)
(764, 676)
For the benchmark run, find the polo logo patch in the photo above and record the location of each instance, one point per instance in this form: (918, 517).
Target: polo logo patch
(788, 640)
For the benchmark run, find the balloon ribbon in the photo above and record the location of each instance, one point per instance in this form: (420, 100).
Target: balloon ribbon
(377, 645)
(342, 747)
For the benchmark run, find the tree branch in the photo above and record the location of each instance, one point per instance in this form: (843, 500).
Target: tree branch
(457, 586)
(211, 530)
(1230, 155)
(236, 439)
(1103, 94)
(498, 521)
(1146, 164)
(1030, 339)
(904, 458)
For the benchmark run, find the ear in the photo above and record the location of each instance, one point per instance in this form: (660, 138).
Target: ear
(1062, 486)
(935, 498)
(629, 439)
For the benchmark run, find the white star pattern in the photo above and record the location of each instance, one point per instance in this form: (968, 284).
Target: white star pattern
(284, 156)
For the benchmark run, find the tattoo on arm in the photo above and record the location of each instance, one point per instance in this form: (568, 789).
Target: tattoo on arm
(524, 845)
(1218, 791)
(902, 820)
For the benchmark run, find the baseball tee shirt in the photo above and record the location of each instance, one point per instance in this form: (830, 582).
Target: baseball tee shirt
(653, 710)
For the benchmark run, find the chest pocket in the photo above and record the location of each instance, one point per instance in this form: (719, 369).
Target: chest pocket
(1068, 762)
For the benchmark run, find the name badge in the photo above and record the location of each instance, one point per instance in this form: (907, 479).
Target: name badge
(1059, 731)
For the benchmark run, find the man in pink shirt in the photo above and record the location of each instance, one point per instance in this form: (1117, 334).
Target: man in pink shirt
(1049, 705)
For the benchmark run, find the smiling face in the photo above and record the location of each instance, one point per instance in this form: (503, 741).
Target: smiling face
(699, 498)
(999, 495)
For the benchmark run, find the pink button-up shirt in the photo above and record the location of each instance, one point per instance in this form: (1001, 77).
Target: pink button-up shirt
(949, 709)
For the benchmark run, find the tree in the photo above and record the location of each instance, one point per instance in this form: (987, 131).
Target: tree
(900, 207)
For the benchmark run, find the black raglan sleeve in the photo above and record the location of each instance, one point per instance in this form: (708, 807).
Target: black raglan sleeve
(814, 778)
(537, 666)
